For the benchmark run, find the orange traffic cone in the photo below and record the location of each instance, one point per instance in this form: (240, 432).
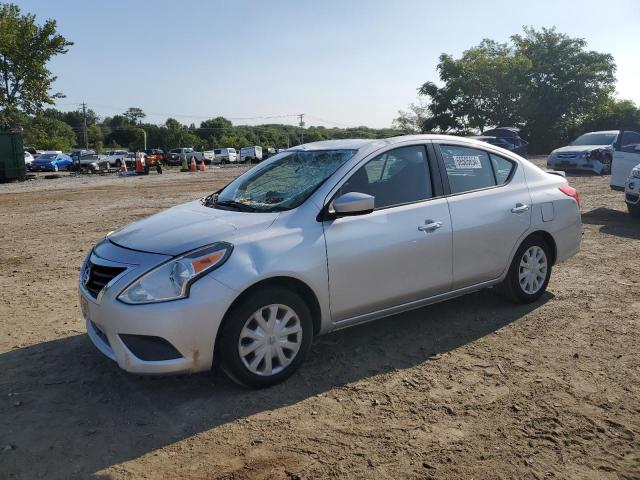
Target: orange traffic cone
(193, 164)
(139, 167)
(202, 168)
(123, 166)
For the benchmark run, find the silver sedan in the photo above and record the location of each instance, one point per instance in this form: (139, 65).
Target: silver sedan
(321, 237)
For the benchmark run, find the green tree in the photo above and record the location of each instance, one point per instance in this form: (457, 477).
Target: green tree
(49, 133)
(537, 81)
(25, 50)
(134, 115)
(413, 119)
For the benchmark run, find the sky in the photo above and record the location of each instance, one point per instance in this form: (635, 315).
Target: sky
(340, 62)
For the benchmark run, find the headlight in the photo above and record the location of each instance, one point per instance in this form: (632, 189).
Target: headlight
(172, 280)
(635, 172)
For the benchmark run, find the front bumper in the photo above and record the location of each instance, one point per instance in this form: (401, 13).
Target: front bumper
(583, 164)
(188, 325)
(632, 191)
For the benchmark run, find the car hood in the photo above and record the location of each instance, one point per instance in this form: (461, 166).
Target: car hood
(43, 161)
(189, 226)
(579, 148)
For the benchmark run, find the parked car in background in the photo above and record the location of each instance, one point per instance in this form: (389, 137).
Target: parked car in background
(321, 237)
(507, 138)
(76, 156)
(632, 192)
(626, 155)
(115, 157)
(592, 152)
(28, 159)
(92, 162)
(51, 162)
(225, 155)
(131, 161)
(175, 156)
(251, 154)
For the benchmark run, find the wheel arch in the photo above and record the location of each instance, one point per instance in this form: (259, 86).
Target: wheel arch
(548, 239)
(295, 285)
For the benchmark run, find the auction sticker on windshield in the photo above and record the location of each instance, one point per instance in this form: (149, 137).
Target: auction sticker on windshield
(467, 161)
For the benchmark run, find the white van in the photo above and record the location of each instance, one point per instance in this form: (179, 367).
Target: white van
(225, 155)
(251, 154)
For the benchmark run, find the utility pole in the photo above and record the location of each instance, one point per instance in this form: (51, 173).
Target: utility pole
(84, 126)
(301, 128)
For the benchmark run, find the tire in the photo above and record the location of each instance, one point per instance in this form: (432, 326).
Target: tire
(535, 281)
(634, 210)
(606, 165)
(234, 336)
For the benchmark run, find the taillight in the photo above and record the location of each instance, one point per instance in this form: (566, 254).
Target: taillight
(571, 192)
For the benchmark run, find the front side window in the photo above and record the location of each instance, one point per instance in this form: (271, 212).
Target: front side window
(283, 182)
(393, 178)
(467, 168)
(629, 141)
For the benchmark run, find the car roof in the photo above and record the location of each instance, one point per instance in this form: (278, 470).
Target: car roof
(362, 143)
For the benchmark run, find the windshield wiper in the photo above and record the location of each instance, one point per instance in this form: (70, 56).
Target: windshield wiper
(243, 207)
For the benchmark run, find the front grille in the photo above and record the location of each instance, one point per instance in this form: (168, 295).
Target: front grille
(99, 276)
(567, 155)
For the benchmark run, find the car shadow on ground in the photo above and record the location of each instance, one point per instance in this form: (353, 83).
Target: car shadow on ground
(613, 222)
(68, 411)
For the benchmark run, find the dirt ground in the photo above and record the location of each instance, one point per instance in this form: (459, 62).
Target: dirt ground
(470, 388)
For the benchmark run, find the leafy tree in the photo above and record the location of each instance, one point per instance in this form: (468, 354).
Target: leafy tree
(49, 133)
(537, 81)
(25, 49)
(413, 119)
(134, 115)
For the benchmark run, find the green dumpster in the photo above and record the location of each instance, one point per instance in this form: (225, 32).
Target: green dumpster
(11, 157)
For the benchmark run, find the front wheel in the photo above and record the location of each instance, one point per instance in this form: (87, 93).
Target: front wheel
(529, 272)
(266, 338)
(606, 165)
(634, 210)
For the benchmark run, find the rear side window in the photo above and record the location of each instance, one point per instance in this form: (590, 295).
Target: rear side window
(394, 178)
(502, 168)
(467, 168)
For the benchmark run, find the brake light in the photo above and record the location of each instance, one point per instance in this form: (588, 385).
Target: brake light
(571, 192)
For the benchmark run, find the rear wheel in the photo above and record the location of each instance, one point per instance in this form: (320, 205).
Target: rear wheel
(634, 210)
(266, 338)
(529, 272)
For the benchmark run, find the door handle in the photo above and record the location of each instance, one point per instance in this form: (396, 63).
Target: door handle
(429, 226)
(520, 208)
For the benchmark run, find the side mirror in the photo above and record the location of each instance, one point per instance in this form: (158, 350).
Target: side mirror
(353, 203)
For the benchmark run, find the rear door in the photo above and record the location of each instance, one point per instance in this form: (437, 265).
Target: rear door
(400, 252)
(625, 156)
(490, 210)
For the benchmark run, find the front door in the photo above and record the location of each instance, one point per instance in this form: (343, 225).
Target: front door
(400, 252)
(625, 157)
